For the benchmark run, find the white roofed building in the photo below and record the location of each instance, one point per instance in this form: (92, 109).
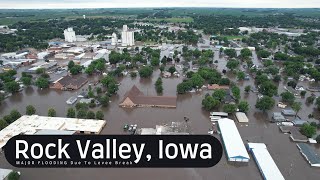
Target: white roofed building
(265, 163)
(70, 35)
(232, 142)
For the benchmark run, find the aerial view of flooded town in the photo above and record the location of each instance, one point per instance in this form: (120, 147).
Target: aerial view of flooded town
(247, 76)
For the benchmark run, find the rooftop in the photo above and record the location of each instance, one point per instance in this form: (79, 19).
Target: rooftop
(232, 141)
(32, 124)
(312, 156)
(265, 162)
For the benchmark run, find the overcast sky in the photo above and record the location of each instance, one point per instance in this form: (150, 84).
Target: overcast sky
(66, 4)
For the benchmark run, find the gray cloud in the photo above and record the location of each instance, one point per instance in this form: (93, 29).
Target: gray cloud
(31, 4)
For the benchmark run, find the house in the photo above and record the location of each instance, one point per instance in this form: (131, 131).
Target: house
(229, 99)
(288, 112)
(278, 117)
(135, 98)
(69, 83)
(298, 122)
(310, 154)
(217, 86)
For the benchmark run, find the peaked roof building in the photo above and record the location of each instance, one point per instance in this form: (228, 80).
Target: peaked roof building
(135, 98)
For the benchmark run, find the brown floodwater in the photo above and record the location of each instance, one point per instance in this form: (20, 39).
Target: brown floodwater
(284, 152)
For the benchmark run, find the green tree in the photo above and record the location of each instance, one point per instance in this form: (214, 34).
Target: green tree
(27, 81)
(76, 69)
(247, 89)
(310, 99)
(13, 175)
(241, 75)
(111, 84)
(42, 82)
(71, 64)
(318, 102)
(52, 112)
(3, 124)
(210, 103)
(71, 113)
(40, 71)
(155, 61)
(91, 115)
(14, 114)
(99, 115)
(197, 81)
(243, 106)
(232, 64)
(296, 106)
(230, 52)
(133, 74)
(158, 85)
(104, 100)
(172, 69)
(82, 114)
(83, 106)
(265, 103)
(318, 139)
(229, 108)
(308, 130)
(245, 52)
(268, 88)
(236, 92)
(263, 53)
(287, 97)
(184, 87)
(100, 66)
(89, 70)
(12, 86)
(303, 93)
(30, 110)
(219, 94)
(145, 72)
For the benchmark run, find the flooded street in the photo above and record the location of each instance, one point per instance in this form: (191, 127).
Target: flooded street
(284, 152)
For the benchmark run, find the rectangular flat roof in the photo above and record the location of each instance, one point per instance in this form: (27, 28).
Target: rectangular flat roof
(223, 114)
(242, 117)
(232, 140)
(32, 124)
(312, 156)
(267, 166)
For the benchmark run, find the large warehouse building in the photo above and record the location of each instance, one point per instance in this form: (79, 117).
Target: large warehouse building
(232, 141)
(267, 166)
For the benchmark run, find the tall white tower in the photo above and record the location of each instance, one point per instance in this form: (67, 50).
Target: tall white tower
(70, 35)
(127, 36)
(84, 16)
(114, 39)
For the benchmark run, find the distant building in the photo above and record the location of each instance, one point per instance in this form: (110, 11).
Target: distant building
(70, 35)
(127, 36)
(135, 98)
(114, 39)
(69, 83)
(176, 128)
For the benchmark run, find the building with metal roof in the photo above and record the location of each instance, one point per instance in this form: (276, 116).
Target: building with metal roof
(233, 144)
(242, 117)
(265, 163)
(288, 112)
(278, 117)
(298, 122)
(311, 155)
(54, 132)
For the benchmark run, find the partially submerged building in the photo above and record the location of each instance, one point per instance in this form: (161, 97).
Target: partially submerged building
(265, 163)
(288, 112)
(232, 142)
(135, 98)
(32, 124)
(295, 133)
(311, 156)
(69, 83)
(242, 117)
(175, 128)
(278, 117)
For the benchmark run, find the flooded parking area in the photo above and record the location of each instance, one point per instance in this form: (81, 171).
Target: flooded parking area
(284, 152)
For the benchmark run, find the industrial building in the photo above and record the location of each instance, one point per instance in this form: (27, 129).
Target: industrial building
(265, 163)
(70, 35)
(30, 125)
(127, 36)
(232, 142)
(114, 39)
